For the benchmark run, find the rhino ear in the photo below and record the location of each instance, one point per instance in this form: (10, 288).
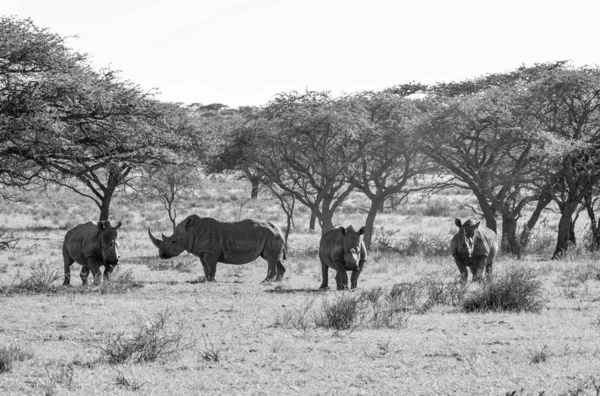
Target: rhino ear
(102, 224)
(117, 226)
(188, 222)
(343, 230)
(476, 225)
(361, 231)
(457, 222)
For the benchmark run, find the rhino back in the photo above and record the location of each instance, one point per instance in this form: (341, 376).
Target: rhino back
(82, 242)
(232, 241)
(485, 243)
(331, 247)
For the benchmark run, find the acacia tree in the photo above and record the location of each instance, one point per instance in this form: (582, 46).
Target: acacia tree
(168, 184)
(73, 126)
(390, 157)
(566, 102)
(35, 66)
(230, 139)
(307, 142)
(487, 141)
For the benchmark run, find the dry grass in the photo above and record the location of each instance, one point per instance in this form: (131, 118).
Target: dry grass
(255, 338)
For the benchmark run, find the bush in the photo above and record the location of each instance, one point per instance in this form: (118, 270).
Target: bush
(120, 282)
(341, 313)
(417, 243)
(10, 354)
(517, 290)
(154, 340)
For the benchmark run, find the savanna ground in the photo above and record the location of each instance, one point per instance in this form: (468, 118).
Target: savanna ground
(410, 334)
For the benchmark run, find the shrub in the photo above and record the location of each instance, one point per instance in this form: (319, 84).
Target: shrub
(340, 313)
(10, 354)
(516, 290)
(120, 282)
(152, 340)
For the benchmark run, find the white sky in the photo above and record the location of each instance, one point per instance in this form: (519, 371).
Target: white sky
(240, 52)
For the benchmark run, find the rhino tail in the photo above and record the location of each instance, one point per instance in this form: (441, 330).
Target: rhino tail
(283, 251)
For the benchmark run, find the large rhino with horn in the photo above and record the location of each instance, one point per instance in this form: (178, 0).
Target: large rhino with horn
(92, 245)
(214, 241)
(474, 247)
(343, 250)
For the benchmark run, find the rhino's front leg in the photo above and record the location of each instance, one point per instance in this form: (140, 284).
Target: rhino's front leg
(108, 269)
(84, 274)
(324, 275)
(94, 267)
(462, 265)
(478, 268)
(341, 278)
(209, 264)
(356, 274)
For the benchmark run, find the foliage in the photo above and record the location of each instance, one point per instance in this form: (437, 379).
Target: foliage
(516, 290)
(158, 339)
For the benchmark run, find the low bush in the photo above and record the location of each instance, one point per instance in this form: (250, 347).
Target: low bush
(341, 313)
(516, 290)
(10, 354)
(120, 282)
(158, 339)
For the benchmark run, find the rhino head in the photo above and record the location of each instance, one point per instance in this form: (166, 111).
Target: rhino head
(167, 247)
(466, 231)
(108, 240)
(352, 246)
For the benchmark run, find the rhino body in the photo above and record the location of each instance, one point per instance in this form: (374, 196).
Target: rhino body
(474, 247)
(343, 250)
(214, 241)
(92, 245)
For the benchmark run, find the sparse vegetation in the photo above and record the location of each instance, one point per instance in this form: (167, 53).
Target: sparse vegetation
(518, 289)
(9, 354)
(158, 339)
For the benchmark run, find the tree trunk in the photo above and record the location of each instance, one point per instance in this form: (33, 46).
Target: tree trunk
(595, 237)
(376, 204)
(564, 229)
(489, 213)
(509, 243)
(313, 220)
(105, 206)
(543, 201)
(255, 181)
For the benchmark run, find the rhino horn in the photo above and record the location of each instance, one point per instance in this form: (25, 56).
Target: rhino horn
(155, 241)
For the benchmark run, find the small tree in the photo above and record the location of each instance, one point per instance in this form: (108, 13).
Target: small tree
(169, 185)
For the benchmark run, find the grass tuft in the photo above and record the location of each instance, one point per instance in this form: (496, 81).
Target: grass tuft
(158, 339)
(9, 354)
(517, 290)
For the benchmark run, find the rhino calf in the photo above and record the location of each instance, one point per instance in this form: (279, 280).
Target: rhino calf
(343, 250)
(92, 245)
(474, 247)
(215, 241)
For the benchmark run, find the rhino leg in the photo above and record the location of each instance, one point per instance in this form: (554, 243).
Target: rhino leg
(488, 271)
(94, 267)
(354, 279)
(280, 270)
(85, 272)
(462, 268)
(209, 264)
(341, 278)
(324, 275)
(108, 269)
(356, 274)
(478, 268)
(68, 261)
